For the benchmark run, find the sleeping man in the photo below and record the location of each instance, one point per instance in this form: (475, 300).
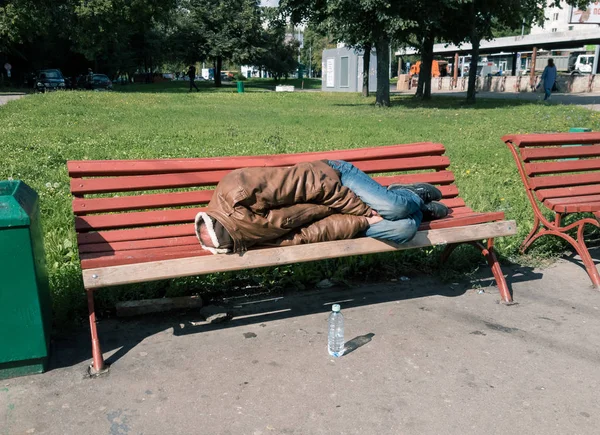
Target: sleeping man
(311, 202)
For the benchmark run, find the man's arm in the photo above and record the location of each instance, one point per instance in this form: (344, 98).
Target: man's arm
(334, 227)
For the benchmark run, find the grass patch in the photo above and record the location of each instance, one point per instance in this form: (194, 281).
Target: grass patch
(39, 133)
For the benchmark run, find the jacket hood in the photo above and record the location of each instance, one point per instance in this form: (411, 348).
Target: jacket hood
(210, 227)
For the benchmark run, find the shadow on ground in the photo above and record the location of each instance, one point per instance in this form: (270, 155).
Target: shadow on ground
(122, 335)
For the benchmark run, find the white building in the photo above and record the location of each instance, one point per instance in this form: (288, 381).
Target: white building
(557, 20)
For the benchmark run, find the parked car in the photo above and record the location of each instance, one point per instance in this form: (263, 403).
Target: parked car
(48, 80)
(95, 82)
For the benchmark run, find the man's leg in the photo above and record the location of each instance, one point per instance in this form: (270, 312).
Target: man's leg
(399, 231)
(392, 205)
(548, 93)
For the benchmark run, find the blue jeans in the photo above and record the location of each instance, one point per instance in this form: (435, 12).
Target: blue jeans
(400, 209)
(548, 92)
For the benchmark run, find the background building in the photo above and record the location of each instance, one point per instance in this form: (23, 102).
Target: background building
(557, 20)
(343, 70)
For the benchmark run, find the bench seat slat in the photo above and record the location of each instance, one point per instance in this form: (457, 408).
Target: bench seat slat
(82, 186)
(164, 217)
(529, 154)
(549, 139)
(173, 199)
(561, 192)
(188, 230)
(533, 169)
(574, 204)
(92, 168)
(564, 180)
(139, 244)
(135, 234)
(164, 268)
(190, 238)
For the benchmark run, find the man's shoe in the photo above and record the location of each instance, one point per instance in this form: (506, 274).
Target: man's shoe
(427, 192)
(434, 210)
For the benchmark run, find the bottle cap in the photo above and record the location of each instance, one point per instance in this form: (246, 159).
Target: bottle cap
(335, 307)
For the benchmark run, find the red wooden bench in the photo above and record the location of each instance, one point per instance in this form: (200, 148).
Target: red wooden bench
(564, 180)
(128, 236)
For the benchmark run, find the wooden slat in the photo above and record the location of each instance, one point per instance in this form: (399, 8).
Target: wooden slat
(165, 269)
(138, 202)
(164, 217)
(562, 192)
(91, 168)
(548, 139)
(462, 220)
(109, 247)
(574, 204)
(82, 186)
(453, 220)
(564, 180)
(135, 219)
(135, 234)
(529, 154)
(440, 177)
(94, 260)
(533, 169)
(453, 203)
(162, 200)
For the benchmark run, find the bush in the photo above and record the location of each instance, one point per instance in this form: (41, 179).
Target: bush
(239, 76)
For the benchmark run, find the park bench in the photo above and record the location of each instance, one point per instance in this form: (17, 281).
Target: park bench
(561, 174)
(127, 236)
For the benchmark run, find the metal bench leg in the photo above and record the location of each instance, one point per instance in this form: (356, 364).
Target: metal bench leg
(490, 256)
(584, 253)
(98, 366)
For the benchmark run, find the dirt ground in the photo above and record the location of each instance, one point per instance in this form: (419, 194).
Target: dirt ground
(426, 358)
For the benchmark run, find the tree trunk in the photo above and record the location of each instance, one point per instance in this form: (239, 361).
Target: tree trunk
(424, 82)
(473, 68)
(366, 67)
(426, 65)
(218, 66)
(383, 79)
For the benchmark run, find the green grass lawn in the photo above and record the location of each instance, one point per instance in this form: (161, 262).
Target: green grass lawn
(39, 133)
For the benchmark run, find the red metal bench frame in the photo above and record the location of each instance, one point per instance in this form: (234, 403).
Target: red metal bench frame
(146, 237)
(542, 160)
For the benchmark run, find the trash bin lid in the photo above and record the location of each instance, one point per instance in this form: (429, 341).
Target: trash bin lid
(17, 202)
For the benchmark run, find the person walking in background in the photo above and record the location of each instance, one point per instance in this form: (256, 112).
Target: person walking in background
(549, 78)
(192, 75)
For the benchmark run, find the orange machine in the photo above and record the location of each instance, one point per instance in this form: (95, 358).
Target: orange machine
(438, 68)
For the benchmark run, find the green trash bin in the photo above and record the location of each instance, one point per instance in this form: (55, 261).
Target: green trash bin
(25, 309)
(240, 86)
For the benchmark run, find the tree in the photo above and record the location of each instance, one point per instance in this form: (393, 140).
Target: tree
(277, 54)
(311, 54)
(360, 24)
(231, 28)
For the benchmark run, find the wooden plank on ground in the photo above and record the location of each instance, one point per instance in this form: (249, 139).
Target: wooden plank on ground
(133, 273)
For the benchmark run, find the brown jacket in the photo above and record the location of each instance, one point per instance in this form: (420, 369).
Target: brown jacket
(285, 206)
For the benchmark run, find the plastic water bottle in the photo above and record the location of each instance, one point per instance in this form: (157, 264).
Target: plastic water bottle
(335, 343)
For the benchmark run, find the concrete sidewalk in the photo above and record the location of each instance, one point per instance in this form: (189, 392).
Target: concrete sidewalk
(432, 358)
(589, 100)
(5, 98)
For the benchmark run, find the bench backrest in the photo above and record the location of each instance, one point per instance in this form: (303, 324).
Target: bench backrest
(129, 211)
(557, 165)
